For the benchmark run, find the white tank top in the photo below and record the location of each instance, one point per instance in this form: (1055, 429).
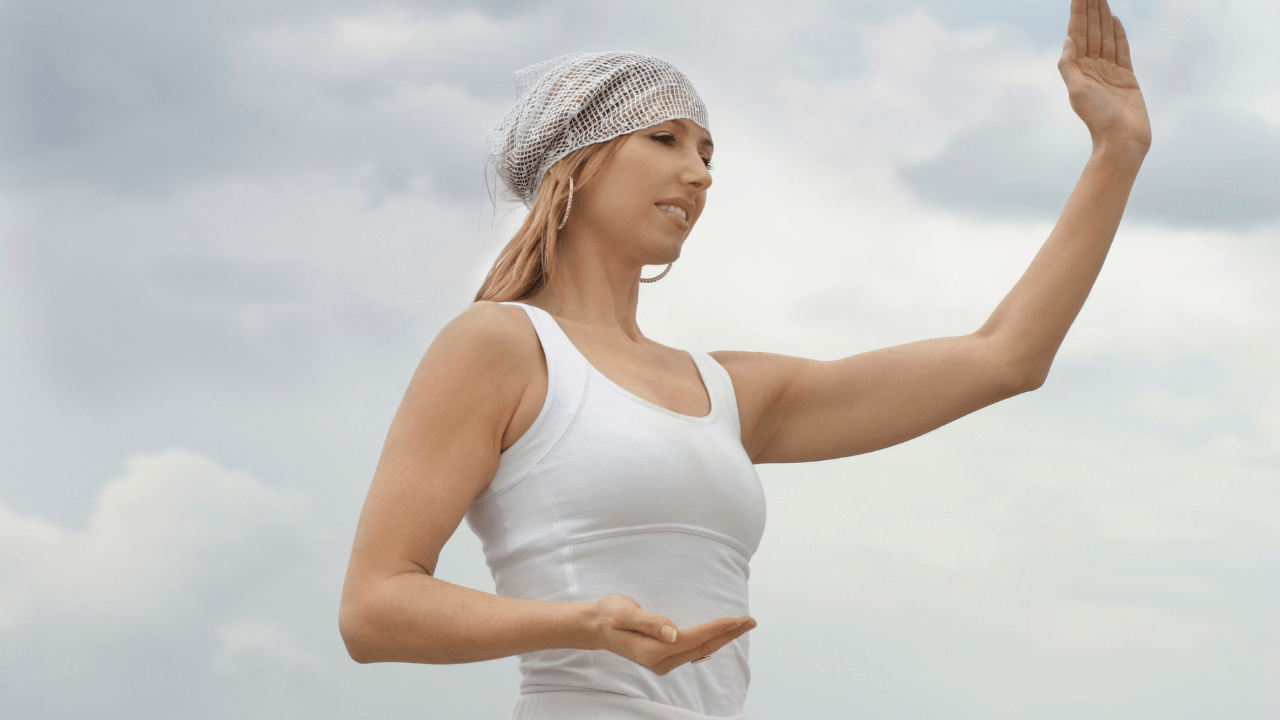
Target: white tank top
(609, 493)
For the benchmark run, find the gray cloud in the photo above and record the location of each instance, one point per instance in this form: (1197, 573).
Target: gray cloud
(1205, 170)
(1212, 158)
(116, 314)
(139, 98)
(1043, 21)
(127, 95)
(1212, 170)
(1019, 167)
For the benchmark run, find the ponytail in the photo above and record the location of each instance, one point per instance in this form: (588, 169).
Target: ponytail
(527, 264)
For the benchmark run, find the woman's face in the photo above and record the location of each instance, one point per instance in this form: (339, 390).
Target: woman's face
(647, 198)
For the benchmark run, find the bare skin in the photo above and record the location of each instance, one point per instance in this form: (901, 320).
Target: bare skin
(483, 380)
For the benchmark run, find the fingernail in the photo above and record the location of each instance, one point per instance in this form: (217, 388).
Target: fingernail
(668, 633)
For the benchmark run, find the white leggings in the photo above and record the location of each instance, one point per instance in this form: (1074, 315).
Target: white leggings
(574, 705)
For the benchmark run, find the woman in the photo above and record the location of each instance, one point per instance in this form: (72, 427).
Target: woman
(610, 477)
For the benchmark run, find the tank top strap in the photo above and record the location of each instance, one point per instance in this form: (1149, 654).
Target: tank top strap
(556, 346)
(566, 383)
(720, 388)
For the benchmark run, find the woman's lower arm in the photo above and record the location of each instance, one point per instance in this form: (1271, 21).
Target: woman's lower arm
(414, 617)
(1031, 321)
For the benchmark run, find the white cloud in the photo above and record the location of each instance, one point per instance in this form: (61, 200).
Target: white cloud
(1164, 290)
(256, 639)
(198, 591)
(1269, 107)
(422, 38)
(149, 530)
(1106, 629)
(1016, 557)
(171, 575)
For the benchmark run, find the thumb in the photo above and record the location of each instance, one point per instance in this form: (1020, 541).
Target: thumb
(654, 626)
(1069, 52)
(1067, 62)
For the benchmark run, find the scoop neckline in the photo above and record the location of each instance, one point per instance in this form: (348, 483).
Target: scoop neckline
(702, 377)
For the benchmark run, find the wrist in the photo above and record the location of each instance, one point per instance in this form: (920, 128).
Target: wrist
(1120, 157)
(587, 626)
(1121, 149)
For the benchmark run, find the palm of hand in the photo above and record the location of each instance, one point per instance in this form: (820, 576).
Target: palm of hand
(1096, 67)
(637, 635)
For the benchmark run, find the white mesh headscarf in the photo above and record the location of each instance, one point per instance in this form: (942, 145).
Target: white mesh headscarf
(581, 99)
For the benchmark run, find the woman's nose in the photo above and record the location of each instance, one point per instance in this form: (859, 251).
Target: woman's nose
(697, 175)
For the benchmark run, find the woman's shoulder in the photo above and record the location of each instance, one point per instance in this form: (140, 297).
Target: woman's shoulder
(493, 321)
(489, 333)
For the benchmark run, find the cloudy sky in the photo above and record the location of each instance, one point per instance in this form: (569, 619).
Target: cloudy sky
(229, 230)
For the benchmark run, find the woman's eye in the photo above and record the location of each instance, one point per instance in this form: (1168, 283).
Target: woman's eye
(669, 140)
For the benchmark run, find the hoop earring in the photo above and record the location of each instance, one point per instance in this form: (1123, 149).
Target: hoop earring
(566, 207)
(659, 276)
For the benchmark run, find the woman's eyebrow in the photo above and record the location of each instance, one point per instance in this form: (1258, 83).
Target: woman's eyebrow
(688, 126)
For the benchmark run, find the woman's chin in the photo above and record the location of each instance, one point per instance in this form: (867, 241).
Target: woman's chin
(664, 251)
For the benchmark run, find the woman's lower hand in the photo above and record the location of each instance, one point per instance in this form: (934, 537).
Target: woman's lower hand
(654, 642)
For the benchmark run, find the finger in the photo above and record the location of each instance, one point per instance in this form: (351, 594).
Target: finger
(1107, 26)
(1077, 23)
(1122, 46)
(713, 632)
(698, 634)
(703, 650)
(1093, 32)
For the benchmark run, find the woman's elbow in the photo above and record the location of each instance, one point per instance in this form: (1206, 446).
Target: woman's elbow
(354, 626)
(1024, 377)
(1015, 370)
(1010, 368)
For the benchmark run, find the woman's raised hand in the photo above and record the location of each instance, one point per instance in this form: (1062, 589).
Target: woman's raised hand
(1099, 74)
(653, 641)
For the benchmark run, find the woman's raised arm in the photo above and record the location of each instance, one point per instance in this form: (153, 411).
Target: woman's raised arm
(483, 370)
(796, 410)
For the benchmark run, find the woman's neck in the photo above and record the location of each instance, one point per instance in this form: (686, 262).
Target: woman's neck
(593, 287)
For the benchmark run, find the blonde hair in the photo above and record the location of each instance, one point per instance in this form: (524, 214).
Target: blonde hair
(528, 262)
